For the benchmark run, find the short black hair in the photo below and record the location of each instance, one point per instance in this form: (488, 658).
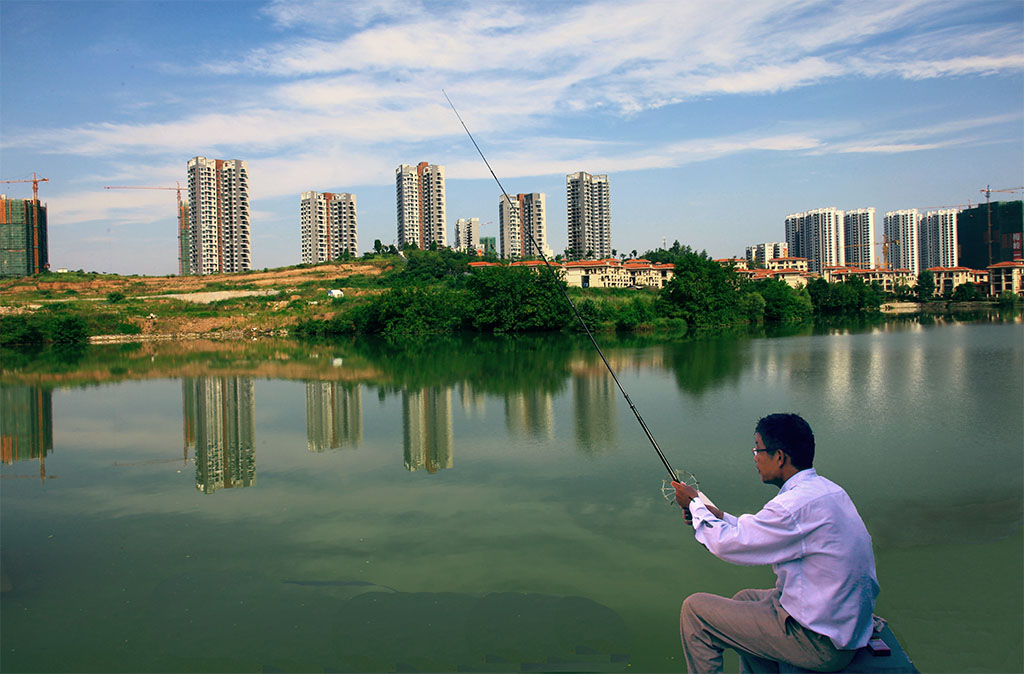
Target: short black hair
(791, 434)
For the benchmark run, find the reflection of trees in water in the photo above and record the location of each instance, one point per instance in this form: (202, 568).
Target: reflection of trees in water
(703, 364)
(494, 365)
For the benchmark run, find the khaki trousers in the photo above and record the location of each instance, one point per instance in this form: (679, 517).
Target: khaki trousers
(754, 624)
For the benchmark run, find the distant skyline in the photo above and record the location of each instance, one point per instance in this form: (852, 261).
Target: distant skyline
(712, 120)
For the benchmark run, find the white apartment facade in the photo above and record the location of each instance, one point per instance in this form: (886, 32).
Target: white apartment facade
(467, 234)
(817, 235)
(522, 226)
(937, 239)
(328, 221)
(589, 215)
(219, 240)
(420, 202)
(859, 237)
(900, 229)
(763, 252)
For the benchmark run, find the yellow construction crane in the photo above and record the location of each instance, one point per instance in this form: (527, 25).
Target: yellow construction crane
(182, 225)
(35, 184)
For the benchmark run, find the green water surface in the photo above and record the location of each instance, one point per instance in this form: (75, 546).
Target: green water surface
(485, 504)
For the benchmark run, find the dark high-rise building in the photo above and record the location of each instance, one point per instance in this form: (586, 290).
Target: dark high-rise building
(978, 248)
(23, 241)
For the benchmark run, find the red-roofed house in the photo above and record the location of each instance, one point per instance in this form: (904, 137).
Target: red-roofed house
(1006, 276)
(948, 278)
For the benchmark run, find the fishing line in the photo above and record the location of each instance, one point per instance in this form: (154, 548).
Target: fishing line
(675, 476)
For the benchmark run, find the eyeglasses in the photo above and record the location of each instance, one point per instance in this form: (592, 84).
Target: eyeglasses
(755, 450)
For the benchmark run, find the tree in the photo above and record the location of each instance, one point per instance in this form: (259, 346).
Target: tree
(965, 292)
(703, 293)
(378, 247)
(1007, 298)
(783, 303)
(925, 286)
(516, 299)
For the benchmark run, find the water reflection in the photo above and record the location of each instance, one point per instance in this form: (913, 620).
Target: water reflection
(530, 413)
(220, 421)
(427, 428)
(26, 426)
(334, 415)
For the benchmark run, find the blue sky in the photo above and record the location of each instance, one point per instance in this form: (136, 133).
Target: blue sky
(713, 120)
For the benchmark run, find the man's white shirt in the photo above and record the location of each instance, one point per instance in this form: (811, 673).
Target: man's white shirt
(818, 547)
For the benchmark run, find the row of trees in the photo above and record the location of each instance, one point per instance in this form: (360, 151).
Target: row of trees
(435, 292)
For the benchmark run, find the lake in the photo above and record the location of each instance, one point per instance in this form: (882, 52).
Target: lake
(487, 504)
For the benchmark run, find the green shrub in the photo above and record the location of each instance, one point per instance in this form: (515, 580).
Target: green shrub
(19, 329)
(129, 329)
(1007, 298)
(115, 296)
(67, 330)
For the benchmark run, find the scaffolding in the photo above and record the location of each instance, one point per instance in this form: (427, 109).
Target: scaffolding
(23, 240)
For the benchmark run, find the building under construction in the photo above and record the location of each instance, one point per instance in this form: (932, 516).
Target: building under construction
(23, 243)
(990, 233)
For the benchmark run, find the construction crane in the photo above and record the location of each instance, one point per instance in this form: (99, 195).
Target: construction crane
(35, 180)
(182, 225)
(988, 207)
(886, 242)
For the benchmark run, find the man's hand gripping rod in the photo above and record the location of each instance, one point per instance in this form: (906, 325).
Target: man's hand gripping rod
(673, 475)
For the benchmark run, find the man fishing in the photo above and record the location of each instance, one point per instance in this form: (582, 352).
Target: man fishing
(820, 611)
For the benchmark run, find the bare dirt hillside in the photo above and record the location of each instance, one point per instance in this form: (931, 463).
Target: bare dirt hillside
(152, 285)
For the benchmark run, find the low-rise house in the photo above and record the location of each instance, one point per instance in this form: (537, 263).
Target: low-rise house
(1006, 277)
(798, 263)
(948, 278)
(737, 263)
(794, 278)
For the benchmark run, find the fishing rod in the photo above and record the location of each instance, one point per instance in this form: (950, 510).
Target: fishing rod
(673, 475)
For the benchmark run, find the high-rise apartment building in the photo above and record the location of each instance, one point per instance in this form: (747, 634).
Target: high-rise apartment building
(23, 238)
(523, 217)
(419, 196)
(328, 226)
(218, 216)
(467, 234)
(859, 237)
(900, 229)
(588, 208)
(937, 239)
(818, 236)
(764, 252)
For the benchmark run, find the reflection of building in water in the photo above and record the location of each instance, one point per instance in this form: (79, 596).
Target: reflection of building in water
(427, 428)
(594, 410)
(530, 413)
(26, 424)
(334, 415)
(219, 420)
(473, 401)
